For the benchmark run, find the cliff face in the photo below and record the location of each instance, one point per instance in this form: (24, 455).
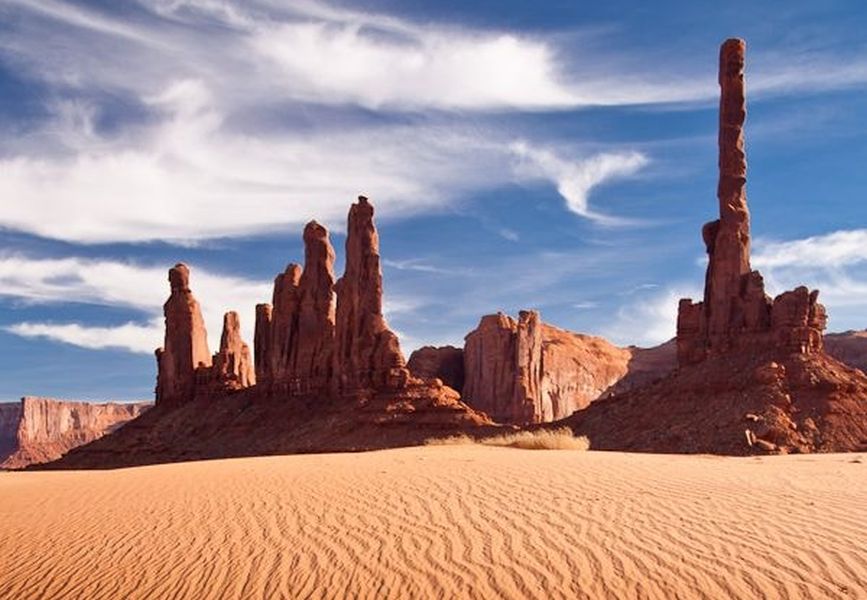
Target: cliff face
(45, 429)
(525, 371)
(10, 415)
(753, 375)
(849, 347)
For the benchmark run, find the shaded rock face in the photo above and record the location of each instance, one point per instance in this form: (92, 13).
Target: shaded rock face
(233, 365)
(294, 337)
(44, 429)
(736, 314)
(445, 363)
(849, 347)
(525, 371)
(753, 376)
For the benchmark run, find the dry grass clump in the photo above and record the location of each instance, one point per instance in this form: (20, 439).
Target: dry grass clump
(540, 439)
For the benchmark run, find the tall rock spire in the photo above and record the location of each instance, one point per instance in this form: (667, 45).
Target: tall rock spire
(314, 356)
(736, 314)
(186, 341)
(368, 353)
(728, 239)
(294, 339)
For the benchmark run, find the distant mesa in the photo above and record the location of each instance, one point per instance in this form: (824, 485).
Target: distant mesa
(39, 430)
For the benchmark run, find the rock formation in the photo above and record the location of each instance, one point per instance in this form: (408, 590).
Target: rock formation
(186, 342)
(328, 377)
(233, 365)
(185, 368)
(526, 371)
(368, 354)
(445, 363)
(38, 430)
(736, 314)
(849, 347)
(294, 337)
(753, 376)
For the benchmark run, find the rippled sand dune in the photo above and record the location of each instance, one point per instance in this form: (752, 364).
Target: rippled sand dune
(444, 521)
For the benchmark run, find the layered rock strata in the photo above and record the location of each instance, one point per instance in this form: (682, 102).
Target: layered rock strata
(524, 371)
(38, 430)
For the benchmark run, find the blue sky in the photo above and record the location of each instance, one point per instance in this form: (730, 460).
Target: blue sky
(558, 156)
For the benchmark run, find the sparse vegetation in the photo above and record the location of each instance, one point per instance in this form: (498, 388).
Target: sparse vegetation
(540, 439)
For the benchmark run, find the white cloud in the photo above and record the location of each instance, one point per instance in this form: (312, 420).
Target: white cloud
(834, 263)
(132, 337)
(120, 284)
(649, 319)
(832, 250)
(188, 178)
(575, 179)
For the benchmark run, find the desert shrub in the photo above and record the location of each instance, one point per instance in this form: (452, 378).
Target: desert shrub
(538, 439)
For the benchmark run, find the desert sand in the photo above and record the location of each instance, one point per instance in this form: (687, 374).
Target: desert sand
(442, 521)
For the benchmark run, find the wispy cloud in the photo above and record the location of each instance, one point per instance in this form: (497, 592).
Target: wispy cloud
(832, 250)
(576, 178)
(133, 337)
(120, 284)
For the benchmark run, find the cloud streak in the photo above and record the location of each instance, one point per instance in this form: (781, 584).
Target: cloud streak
(575, 179)
(112, 283)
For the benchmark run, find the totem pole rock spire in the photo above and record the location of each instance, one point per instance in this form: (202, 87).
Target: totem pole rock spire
(736, 314)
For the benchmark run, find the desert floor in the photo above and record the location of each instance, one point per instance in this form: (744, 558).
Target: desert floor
(442, 521)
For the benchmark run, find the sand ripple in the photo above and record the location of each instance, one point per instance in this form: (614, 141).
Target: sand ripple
(451, 521)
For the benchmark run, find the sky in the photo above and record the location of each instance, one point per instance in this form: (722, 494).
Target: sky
(557, 156)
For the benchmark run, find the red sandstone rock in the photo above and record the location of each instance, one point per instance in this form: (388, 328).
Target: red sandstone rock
(849, 347)
(528, 372)
(736, 314)
(38, 430)
(262, 343)
(445, 363)
(186, 342)
(741, 354)
(371, 401)
(233, 365)
(294, 339)
(367, 352)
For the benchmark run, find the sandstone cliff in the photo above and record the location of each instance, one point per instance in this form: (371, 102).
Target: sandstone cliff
(38, 430)
(849, 347)
(753, 376)
(527, 371)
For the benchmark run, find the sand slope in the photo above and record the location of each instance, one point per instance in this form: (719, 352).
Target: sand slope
(463, 521)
